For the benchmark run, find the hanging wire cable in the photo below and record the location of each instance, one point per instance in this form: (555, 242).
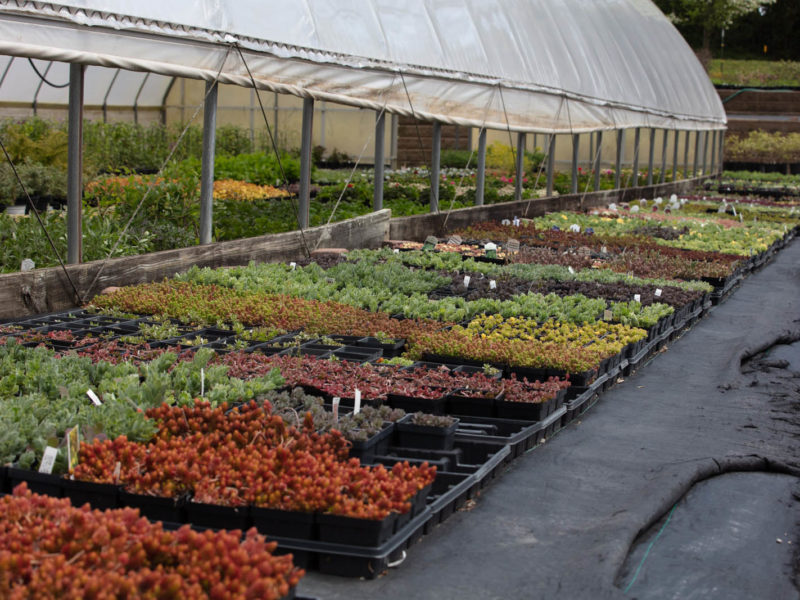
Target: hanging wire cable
(469, 161)
(44, 79)
(508, 126)
(416, 125)
(274, 146)
(154, 181)
(41, 224)
(352, 172)
(550, 139)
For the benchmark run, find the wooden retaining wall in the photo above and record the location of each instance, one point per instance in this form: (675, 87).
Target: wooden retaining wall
(418, 227)
(48, 290)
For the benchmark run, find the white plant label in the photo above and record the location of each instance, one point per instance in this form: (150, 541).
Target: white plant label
(93, 397)
(455, 240)
(658, 292)
(117, 470)
(397, 250)
(571, 270)
(293, 265)
(607, 315)
(492, 284)
(505, 222)
(336, 401)
(466, 280)
(604, 250)
(48, 460)
(741, 218)
(202, 382)
(517, 222)
(637, 298)
(734, 211)
(575, 228)
(357, 402)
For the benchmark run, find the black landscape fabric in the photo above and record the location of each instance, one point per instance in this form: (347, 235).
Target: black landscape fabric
(722, 399)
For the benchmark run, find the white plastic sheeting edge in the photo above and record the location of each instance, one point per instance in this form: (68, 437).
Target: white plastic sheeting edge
(55, 32)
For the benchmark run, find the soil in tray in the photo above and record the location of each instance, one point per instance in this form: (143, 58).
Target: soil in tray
(617, 292)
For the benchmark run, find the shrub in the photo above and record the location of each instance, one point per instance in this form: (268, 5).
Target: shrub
(760, 146)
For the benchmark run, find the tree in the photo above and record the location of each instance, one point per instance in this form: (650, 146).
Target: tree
(709, 14)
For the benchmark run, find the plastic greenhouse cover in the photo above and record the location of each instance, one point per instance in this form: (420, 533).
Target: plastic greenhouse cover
(526, 65)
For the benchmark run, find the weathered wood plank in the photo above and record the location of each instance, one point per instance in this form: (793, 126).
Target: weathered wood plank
(48, 290)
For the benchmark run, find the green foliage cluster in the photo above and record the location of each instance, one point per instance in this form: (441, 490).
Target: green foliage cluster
(40, 398)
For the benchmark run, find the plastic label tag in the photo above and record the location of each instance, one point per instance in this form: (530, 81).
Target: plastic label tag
(512, 245)
(202, 382)
(604, 250)
(397, 250)
(73, 445)
(517, 222)
(658, 292)
(741, 218)
(571, 270)
(637, 298)
(492, 284)
(48, 460)
(293, 265)
(505, 222)
(93, 397)
(117, 469)
(607, 315)
(466, 280)
(357, 402)
(734, 211)
(454, 239)
(575, 228)
(336, 401)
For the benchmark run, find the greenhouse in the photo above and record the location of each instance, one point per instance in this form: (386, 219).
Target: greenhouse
(348, 277)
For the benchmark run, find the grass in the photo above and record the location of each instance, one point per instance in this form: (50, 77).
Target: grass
(755, 73)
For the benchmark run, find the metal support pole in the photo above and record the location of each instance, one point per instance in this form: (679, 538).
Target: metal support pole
(576, 140)
(675, 139)
(686, 154)
(480, 178)
(520, 166)
(618, 162)
(721, 151)
(435, 157)
(696, 160)
(551, 163)
(664, 139)
(714, 152)
(207, 165)
(705, 151)
(598, 160)
(305, 161)
(395, 125)
(651, 157)
(75, 165)
(637, 138)
(380, 137)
